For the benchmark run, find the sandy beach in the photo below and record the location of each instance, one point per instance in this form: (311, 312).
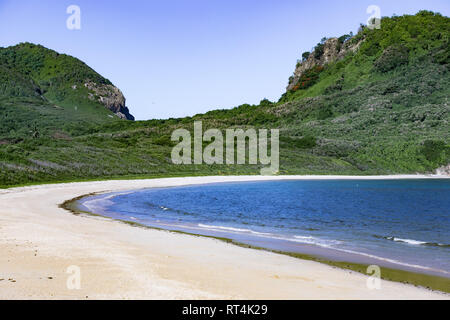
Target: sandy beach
(39, 241)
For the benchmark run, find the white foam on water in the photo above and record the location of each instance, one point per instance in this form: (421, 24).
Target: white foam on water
(409, 241)
(416, 242)
(298, 239)
(220, 228)
(391, 260)
(98, 204)
(314, 240)
(324, 244)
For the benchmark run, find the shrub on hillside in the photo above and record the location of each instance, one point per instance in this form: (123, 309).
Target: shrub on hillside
(392, 57)
(308, 78)
(442, 54)
(305, 142)
(433, 150)
(305, 55)
(163, 141)
(318, 50)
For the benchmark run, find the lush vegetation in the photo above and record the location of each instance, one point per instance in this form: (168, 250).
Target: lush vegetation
(381, 110)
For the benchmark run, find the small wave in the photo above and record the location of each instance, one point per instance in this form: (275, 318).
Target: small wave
(414, 242)
(298, 239)
(314, 240)
(231, 229)
(391, 260)
(303, 237)
(435, 244)
(98, 204)
(322, 243)
(409, 241)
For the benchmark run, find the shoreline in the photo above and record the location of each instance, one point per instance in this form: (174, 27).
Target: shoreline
(297, 177)
(155, 264)
(414, 275)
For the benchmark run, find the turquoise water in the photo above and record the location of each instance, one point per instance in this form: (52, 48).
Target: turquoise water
(397, 223)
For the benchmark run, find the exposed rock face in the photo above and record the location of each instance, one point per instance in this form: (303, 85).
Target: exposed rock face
(443, 171)
(111, 97)
(332, 51)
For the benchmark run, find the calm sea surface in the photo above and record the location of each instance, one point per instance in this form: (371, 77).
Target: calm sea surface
(397, 223)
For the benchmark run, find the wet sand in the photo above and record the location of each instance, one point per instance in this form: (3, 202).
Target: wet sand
(39, 241)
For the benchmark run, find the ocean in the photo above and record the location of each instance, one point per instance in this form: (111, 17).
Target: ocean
(402, 224)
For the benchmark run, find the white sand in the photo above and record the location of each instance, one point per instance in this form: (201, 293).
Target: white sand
(39, 240)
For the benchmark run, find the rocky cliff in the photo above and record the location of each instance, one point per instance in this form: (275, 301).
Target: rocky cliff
(111, 97)
(330, 50)
(443, 171)
(33, 71)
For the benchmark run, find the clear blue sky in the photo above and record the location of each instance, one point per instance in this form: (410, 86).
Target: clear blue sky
(176, 58)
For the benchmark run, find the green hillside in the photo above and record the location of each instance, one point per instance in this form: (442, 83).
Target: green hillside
(379, 105)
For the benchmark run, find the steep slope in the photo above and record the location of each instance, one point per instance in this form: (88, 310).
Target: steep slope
(371, 103)
(56, 78)
(379, 98)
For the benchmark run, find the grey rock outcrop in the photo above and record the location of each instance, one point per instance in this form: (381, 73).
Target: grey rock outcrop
(443, 171)
(332, 51)
(111, 97)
